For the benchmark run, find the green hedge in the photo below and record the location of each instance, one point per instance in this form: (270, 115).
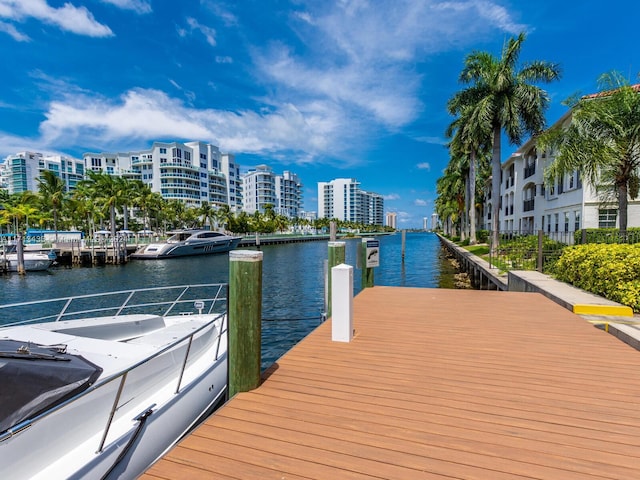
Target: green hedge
(611, 271)
(607, 235)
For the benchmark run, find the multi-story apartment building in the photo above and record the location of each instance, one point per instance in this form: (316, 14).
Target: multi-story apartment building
(192, 172)
(529, 204)
(392, 220)
(342, 199)
(20, 172)
(261, 187)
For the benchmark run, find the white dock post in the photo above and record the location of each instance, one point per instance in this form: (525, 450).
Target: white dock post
(342, 303)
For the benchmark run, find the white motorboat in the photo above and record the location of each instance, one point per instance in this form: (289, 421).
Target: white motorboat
(33, 260)
(91, 396)
(188, 242)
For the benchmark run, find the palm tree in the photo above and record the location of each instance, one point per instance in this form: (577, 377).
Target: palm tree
(507, 100)
(207, 213)
(52, 191)
(470, 140)
(451, 197)
(602, 142)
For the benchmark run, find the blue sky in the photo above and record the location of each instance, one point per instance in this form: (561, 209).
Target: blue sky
(324, 88)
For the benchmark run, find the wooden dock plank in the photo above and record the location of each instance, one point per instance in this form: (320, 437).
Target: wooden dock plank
(435, 384)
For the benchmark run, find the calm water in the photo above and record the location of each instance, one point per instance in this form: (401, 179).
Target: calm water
(293, 281)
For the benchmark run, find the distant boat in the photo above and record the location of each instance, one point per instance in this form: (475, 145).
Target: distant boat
(33, 260)
(188, 242)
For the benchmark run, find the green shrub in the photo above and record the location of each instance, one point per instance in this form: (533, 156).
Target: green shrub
(609, 270)
(482, 236)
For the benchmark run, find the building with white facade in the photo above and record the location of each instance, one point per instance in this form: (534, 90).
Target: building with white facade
(342, 199)
(20, 172)
(261, 187)
(528, 204)
(392, 220)
(192, 172)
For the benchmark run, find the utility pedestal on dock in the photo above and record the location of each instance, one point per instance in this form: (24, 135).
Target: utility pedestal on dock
(342, 301)
(336, 257)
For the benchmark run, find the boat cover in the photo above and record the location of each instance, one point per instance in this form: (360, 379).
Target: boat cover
(34, 378)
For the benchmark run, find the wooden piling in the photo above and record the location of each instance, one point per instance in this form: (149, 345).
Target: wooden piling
(404, 241)
(245, 316)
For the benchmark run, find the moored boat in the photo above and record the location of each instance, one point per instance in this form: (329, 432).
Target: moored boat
(103, 387)
(33, 260)
(188, 242)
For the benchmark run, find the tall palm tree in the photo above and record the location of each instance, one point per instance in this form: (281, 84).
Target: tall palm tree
(602, 142)
(53, 192)
(507, 100)
(470, 140)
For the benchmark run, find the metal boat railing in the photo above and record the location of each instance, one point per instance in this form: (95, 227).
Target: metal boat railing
(151, 300)
(122, 375)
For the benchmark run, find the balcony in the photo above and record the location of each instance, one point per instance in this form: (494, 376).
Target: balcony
(529, 170)
(528, 205)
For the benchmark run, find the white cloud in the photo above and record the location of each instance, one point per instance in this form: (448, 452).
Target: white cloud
(208, 32)
(73, 19)
(146, 115)
(138, 6)
(391, 196)
(12, 31)
(362, 54)
(424, 166)
(224, 59)
(418, 202)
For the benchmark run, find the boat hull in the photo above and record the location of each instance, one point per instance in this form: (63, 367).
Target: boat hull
(33, 262)
(156, 251)
(157, 376)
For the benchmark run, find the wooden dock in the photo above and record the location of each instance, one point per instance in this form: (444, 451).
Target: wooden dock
(436, 384)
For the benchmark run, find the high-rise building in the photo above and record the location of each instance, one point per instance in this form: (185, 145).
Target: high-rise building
(342, 199)
(192, 172)
(20, 172)
(392, 220)
(261, 187)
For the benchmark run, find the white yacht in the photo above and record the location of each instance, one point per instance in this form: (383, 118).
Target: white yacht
(188, 242)
(91, 396)
(34, 260)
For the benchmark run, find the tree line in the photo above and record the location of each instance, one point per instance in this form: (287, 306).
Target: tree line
(103, 201)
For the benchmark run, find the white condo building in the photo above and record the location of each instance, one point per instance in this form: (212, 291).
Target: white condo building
(261, 187)
(392, 220)
(20, 172)
(192, 172)
(342, 199)
(528, 204)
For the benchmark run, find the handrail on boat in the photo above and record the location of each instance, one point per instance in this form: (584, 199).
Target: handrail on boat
(119, 308)
(122, 375)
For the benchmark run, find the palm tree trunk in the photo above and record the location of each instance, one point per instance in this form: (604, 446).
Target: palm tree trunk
(496, 170)
(623, 204)
(472, 196)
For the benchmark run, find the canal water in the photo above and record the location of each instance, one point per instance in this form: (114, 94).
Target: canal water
(293, 280)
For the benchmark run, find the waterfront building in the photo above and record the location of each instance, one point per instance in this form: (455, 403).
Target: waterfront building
(528, 204)
(262, 187)
(434, 222)
(20, 172)
(392, 220)
(192, 172)
(343, 199)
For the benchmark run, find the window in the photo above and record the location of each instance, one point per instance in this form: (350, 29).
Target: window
(566, 222)
(607, 217)
(576, 221)
(163, 150)
(557, 219)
